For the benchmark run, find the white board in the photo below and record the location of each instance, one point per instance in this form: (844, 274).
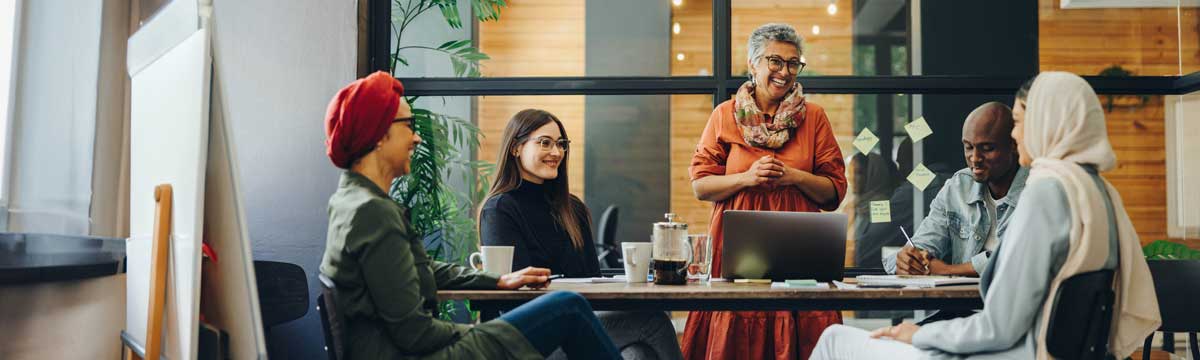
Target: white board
(230, 294)
(169, 144)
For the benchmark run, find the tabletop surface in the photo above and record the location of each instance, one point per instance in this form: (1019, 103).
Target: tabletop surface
(713, 291)
(32, 258)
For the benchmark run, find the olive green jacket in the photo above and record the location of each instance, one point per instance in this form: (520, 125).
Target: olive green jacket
(387, 286)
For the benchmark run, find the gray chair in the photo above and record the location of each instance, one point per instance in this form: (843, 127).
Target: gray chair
(331, 321)
(1081, 317)
(608, 250)
(1176, 285)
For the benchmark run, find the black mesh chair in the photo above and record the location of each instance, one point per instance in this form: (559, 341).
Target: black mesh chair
(1081, 317)
(282, 292)
(331, 321)
(609, 251)
(1175, 283)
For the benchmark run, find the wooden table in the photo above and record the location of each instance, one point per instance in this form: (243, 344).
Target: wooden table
(728, 296)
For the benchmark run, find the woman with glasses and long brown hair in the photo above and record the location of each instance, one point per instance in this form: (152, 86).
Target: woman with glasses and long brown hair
(531, 209)
(386, 285)
(767, 149)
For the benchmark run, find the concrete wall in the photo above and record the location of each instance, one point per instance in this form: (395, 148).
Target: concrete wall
(277, 64)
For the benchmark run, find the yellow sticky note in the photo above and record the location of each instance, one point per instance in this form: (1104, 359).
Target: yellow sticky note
(921, 177)
(865, 141)
(918, 129)
(881, 211)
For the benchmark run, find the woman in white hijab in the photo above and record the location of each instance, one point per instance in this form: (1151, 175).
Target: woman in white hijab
(1064, 141)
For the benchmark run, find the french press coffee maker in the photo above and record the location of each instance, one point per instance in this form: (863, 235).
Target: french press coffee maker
(671, 252)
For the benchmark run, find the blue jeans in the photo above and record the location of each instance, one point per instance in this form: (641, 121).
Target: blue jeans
(563, 319)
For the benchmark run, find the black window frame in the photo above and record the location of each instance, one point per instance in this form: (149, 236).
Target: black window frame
(722, 84)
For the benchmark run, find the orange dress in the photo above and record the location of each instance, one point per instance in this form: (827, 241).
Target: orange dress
(721, 151)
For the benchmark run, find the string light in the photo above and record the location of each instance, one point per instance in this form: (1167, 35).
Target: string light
(675, 28)
(679, 56)
(677, 2)
(816, 29)
(832, 8)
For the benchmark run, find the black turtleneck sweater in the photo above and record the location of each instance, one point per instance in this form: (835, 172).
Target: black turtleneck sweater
(524, 219)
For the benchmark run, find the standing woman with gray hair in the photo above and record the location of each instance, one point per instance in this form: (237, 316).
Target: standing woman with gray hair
(767, 149)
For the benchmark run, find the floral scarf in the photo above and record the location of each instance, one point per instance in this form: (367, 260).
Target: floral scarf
(759, 131)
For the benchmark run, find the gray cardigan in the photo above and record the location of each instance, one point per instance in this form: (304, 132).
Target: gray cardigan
(1015, 284)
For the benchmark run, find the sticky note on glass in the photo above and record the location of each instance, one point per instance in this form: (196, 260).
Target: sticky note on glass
(921, 177)
(881, 211)
(918, 129)
(865, 141)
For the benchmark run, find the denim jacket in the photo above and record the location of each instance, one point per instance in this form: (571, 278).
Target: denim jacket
(959, 221)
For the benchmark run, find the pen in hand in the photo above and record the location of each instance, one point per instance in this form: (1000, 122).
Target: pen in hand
(908, 240)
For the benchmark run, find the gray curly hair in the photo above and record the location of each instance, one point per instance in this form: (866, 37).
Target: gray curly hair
(772, 32)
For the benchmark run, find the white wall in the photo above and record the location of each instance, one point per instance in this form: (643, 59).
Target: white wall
(277, 64)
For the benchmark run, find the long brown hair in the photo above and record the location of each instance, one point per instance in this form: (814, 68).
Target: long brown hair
(508, 174)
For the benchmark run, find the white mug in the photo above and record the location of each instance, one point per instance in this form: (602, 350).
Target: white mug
(637, 261)
(495, 259)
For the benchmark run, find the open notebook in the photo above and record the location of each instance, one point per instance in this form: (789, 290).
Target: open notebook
(921, 281)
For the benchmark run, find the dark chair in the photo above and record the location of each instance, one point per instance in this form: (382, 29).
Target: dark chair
(1081, 317)
(1175, 283)
(331, 321)
(609, 251)
(282, 292)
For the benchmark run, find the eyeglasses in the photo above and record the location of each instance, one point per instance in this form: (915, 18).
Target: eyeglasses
(546, 143)
(407, 120)
(775, 63)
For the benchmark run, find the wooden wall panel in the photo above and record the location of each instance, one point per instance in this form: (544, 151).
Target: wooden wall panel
(1146, 42)
(535, 38)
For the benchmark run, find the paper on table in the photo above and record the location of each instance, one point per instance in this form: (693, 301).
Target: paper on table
(865, 141)
(590, 280)
(784, 285)
(844, 286)
(881, 211)
(918, 129)
(921, 177)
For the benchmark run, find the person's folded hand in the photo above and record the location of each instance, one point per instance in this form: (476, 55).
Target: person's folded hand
(532, 276)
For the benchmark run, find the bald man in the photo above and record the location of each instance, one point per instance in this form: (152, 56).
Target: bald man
(971, 212)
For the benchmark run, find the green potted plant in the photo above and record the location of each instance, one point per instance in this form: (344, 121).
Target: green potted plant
(438, 211)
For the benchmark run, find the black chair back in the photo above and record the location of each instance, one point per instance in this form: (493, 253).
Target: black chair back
(1081, 317)
(1175, 285)
(282, 292)
(331, 321)
(606, 235)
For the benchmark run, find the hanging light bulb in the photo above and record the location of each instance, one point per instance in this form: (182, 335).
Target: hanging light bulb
(675, 28)
(832, 8)
(677, 2)
(816, 29)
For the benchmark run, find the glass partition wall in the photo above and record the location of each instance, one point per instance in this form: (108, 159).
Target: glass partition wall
(635, 82)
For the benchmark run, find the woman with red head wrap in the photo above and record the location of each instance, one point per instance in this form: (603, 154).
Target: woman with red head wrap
(386, 285)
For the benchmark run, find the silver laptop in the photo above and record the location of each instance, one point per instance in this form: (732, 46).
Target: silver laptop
(781, 245)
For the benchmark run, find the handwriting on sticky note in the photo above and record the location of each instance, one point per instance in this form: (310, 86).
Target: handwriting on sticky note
(881, 211)
(865, 141)
(918, 129)
(921, 177)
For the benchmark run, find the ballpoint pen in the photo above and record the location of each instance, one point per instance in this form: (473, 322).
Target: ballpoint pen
(910, 244)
